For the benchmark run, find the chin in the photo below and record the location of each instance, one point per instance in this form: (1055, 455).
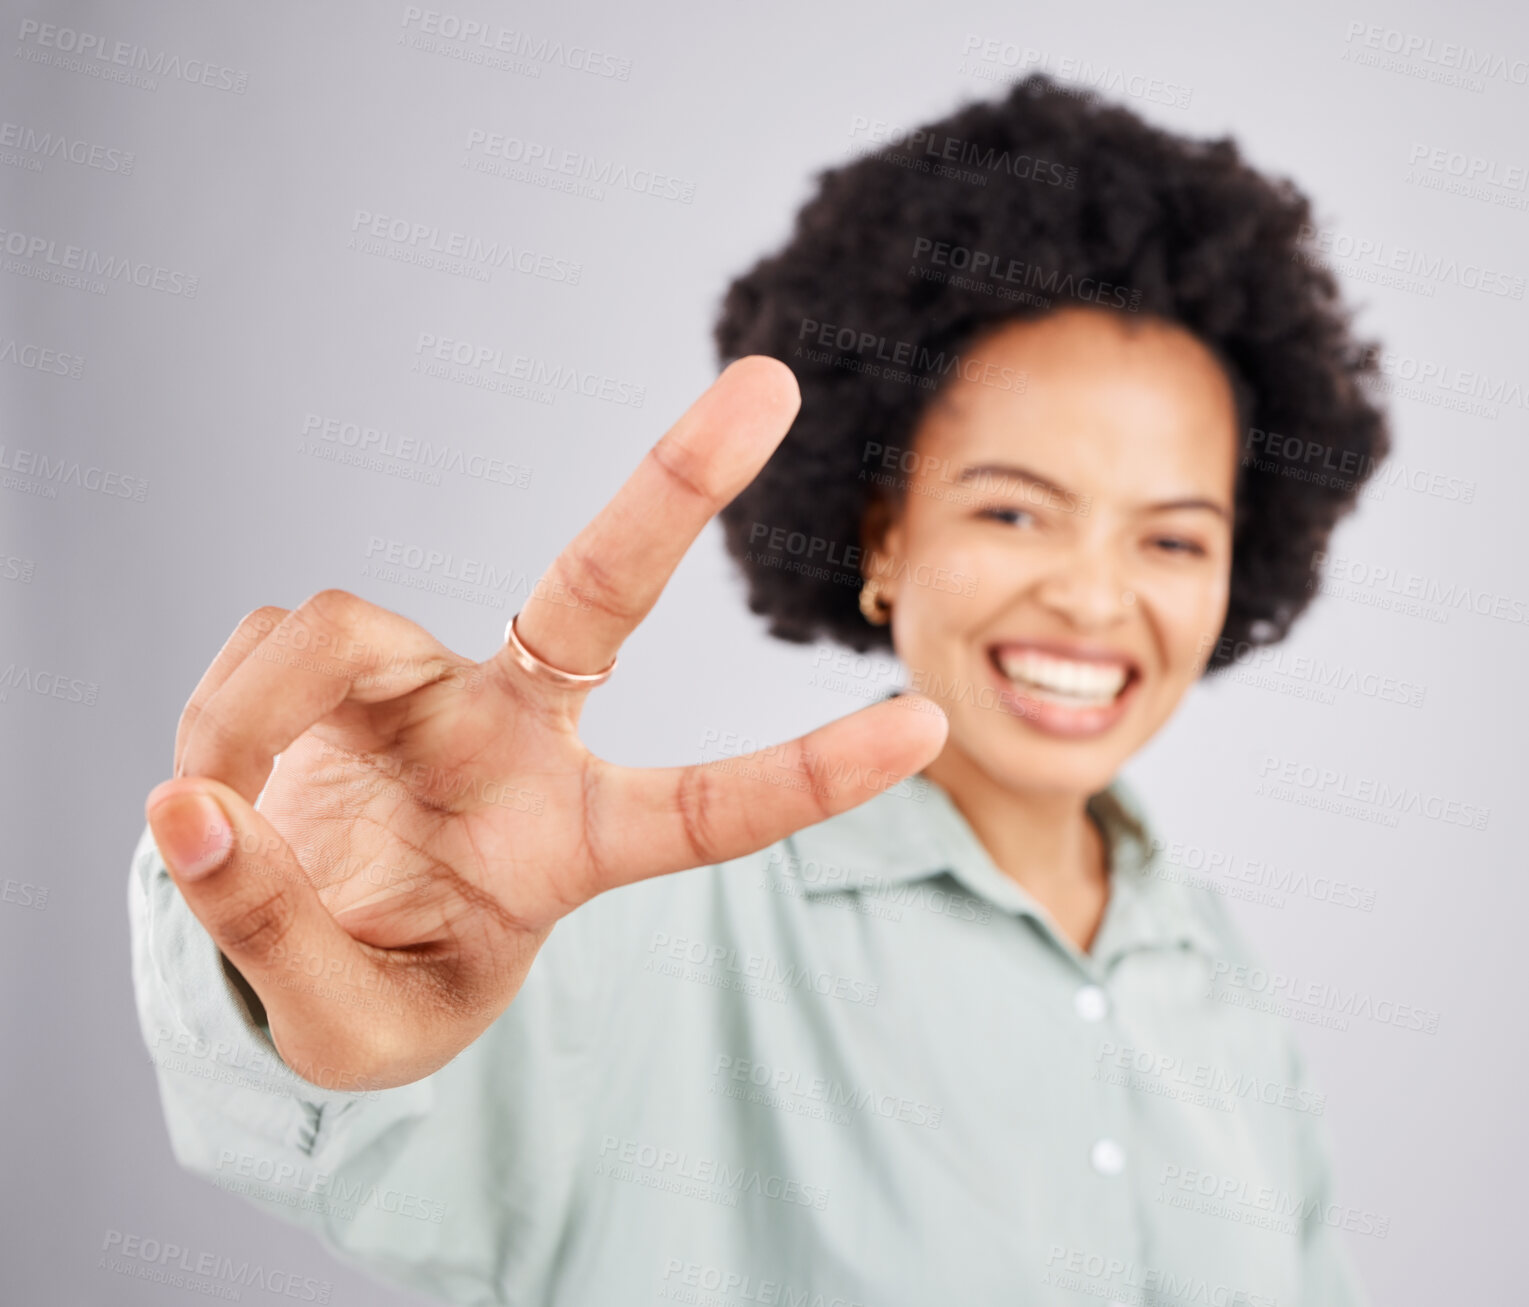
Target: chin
(1025, 767)
(1028, 755)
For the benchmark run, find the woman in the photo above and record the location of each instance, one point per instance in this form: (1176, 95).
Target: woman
(921, 1021)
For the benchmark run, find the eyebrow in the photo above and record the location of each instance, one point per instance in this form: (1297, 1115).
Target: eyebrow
(1035, 478)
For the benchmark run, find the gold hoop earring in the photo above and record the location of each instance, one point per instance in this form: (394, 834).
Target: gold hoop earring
(873, 607)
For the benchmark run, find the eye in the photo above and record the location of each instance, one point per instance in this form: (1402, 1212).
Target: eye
(1011, 516)
(1179, 545)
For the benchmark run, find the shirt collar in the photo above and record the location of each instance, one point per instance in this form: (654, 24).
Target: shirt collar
(914, 831)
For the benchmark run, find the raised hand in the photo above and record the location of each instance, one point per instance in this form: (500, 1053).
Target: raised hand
(432, 818)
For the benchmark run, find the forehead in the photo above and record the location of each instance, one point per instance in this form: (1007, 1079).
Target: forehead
(1090, 391)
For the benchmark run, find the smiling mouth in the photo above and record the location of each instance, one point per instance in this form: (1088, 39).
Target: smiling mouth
(1065, 682)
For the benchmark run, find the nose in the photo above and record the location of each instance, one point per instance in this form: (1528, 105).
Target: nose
(1088, 588)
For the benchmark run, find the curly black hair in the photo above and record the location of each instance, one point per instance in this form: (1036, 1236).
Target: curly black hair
(893, 261)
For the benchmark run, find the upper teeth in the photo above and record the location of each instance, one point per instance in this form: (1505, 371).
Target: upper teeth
(1079, 680)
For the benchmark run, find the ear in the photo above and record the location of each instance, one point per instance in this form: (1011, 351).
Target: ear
(881, 538)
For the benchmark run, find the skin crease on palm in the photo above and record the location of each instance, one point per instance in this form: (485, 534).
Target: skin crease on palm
(1121, 416)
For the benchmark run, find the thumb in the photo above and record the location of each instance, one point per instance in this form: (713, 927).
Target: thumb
(323, 991)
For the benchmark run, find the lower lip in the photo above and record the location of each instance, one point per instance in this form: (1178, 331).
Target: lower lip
(1059, 719)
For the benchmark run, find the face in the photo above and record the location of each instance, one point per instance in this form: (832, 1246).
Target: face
(1059, 565)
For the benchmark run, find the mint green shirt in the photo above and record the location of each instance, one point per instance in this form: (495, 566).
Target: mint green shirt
(861, 1066)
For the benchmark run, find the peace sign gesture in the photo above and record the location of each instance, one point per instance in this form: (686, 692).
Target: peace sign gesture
(432, 818)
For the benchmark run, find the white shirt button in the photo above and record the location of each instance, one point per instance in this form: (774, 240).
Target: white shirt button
(1108, 1157)
(1091, 1003)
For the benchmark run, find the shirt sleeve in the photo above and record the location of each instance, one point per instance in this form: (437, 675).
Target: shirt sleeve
(455, 1185)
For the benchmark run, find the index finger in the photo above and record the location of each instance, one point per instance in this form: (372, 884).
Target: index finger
(331, 648)
(618, 565)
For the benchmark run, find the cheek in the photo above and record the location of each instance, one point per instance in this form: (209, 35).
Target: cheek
(1189, 613)
(944, 593)
(929, 622)
(953, 585)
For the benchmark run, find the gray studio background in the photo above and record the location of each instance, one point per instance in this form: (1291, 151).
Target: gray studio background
(199, 405)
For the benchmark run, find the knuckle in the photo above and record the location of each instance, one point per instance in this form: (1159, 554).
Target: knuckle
(259, 623)
(694, 800)
(253, 930)
(220, 743)
(820, 781)
(593, 583)
(687, 469)
(247, 636)
(333, 607)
